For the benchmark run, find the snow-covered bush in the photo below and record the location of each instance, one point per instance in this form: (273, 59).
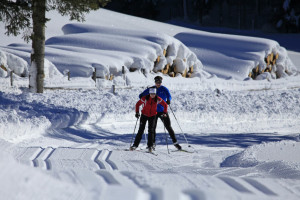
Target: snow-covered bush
(10, 62)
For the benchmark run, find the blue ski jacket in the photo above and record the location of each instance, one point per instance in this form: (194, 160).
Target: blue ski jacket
(162, 92)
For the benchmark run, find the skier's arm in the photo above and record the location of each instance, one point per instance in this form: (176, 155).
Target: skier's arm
(164, 104)
(168, 94)
(137, 105)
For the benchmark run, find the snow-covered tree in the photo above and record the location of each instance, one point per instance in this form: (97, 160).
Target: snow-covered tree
(29, 16)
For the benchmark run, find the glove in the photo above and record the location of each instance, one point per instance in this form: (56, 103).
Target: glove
(137, 115)
(168, 102)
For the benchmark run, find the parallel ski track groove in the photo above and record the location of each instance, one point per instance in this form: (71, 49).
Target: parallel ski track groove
(155, 193)
(130, 177)
(260, 187)
(98, 162)
(47, 161)
(108, 177)
(102, 159)
(34, 161)
(235, 185)
(194, 194)
(111, 163)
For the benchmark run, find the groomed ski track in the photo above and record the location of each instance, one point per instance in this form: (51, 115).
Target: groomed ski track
(139, 175)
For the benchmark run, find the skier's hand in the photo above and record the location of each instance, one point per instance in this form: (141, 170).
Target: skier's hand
(164, 115)
(137, 115)
(168, 102)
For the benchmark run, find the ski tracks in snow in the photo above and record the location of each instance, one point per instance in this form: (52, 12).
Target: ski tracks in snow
(114, 173)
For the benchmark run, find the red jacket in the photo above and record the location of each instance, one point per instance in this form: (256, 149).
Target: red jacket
(150, 105)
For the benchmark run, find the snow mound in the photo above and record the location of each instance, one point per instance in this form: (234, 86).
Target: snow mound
(239, 56)
(283, 152)
(278, 151)
(18, 62)
(112, 48)
(85, 49)
(10, 62)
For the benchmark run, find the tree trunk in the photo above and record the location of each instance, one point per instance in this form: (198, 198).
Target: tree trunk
(38, 46)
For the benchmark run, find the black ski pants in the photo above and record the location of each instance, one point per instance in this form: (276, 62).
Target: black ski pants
(151, 128)
(167, 123)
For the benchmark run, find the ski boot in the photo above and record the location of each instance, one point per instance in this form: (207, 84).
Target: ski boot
(177, 146)
(151, 149)
(132, 148)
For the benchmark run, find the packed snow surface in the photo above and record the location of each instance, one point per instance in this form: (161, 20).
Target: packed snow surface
(70, 141)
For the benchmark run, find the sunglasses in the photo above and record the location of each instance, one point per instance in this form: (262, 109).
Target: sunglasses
(159, 82)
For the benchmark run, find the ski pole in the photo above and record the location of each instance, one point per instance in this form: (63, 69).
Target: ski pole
(146, 138)
(133, 132)
(166, 136)
(180, 127)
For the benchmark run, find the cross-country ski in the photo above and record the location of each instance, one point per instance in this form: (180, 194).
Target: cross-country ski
(183, 150)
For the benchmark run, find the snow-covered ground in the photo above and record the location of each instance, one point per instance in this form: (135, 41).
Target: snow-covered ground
(69, 143)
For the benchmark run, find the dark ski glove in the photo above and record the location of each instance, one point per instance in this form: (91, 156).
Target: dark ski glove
(168, 102)
(137, 115)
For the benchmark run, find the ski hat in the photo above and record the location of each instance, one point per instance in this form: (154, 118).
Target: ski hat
(158, 79)
(152, 91)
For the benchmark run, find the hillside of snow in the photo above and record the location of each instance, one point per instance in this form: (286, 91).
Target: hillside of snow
(241, 135)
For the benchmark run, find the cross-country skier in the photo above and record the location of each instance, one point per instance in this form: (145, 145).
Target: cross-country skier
(164, 93)
(149, 112)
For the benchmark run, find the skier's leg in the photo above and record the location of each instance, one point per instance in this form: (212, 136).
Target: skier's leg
(139, 135)
(167, 123)
(151, 125)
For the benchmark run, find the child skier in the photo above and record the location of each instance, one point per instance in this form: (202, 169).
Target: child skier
(149, 103)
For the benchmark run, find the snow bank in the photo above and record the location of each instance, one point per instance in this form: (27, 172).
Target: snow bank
(16, 123)
(272, 157)
(23, 117)
(277, 151)
(16, 128)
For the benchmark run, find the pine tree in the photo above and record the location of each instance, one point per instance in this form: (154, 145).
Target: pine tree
(18, 14)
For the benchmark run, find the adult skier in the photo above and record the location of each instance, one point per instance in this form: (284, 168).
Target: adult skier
(149, 112)
(164, 93)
